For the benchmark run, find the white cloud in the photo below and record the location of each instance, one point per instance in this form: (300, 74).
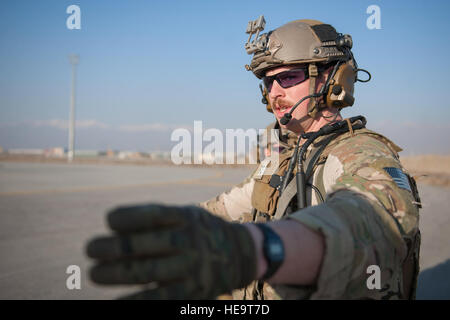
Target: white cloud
(150, 127)
(91, 124)
(64, 124)
(55, 123)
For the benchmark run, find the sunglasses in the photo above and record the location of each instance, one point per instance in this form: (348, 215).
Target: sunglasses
(293, 77)
(287, 79)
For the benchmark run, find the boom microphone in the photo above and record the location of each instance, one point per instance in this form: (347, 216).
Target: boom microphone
(288, 116)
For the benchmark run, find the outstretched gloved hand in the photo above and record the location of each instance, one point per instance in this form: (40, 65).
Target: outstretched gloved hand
(187, 251)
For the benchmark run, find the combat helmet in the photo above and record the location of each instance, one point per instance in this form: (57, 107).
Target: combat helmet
(306, 42)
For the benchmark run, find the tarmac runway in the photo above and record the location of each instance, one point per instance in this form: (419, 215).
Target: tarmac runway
(48, 211)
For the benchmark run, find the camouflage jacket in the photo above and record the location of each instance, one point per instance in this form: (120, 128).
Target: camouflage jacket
(369, 216)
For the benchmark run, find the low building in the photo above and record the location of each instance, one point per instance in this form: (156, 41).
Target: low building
(87, 153)
(54, 152)
(26, 151)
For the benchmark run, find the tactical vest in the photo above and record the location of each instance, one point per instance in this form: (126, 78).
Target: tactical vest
(268, 205)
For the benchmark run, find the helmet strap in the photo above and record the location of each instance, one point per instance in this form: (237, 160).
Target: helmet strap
(312, 104)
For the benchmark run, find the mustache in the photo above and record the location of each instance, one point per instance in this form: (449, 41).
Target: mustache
(282, 102)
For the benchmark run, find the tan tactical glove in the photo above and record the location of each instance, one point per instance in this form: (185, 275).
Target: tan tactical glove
(190, 253)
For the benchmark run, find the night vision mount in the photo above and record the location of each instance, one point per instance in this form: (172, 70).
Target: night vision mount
(259, 41)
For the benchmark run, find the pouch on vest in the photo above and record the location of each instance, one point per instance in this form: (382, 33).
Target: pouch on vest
(264, 196)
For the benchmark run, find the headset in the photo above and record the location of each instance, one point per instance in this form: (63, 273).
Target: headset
(338, 89)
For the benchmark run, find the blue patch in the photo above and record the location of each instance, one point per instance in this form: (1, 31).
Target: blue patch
(399, 177)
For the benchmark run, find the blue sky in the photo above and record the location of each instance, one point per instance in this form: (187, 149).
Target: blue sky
(172, 62)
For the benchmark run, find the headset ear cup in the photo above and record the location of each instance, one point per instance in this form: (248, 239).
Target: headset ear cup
(340, 92)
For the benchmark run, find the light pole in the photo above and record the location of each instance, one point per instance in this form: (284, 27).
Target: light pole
(73, 59)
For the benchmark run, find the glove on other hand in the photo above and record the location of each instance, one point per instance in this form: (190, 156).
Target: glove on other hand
(187, 251)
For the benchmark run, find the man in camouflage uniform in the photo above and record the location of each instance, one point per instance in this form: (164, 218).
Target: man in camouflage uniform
(361, 205)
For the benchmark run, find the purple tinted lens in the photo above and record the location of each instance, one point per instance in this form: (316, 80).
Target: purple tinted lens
(286, 79)
(291, 78)
(268, 82)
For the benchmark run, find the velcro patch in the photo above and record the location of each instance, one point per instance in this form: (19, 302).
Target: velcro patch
(325, 32)
(400, 178)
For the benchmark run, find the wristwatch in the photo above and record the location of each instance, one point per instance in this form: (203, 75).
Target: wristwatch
(273, 249)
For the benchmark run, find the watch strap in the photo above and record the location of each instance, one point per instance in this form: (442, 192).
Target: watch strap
(273, 250)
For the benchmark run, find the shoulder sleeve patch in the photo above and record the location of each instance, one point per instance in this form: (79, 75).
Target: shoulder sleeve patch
(399, 177)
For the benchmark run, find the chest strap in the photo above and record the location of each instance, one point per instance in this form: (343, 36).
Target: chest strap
(291, 190)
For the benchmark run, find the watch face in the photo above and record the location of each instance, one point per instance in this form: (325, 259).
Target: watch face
(276, 251)
(273, 250)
